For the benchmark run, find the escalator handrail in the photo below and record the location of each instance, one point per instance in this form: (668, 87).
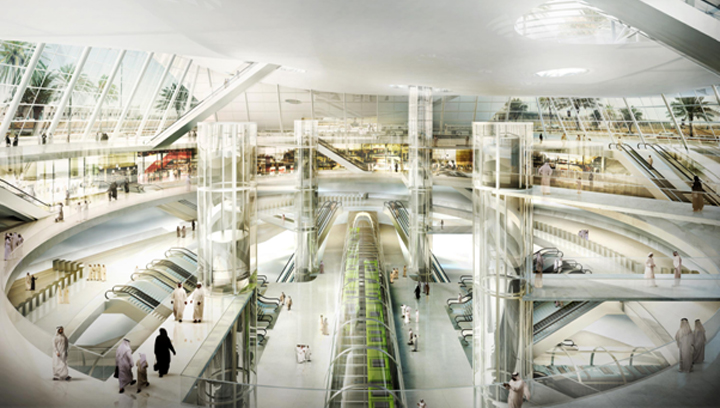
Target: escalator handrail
(165, 261)
(655, 176)
(710, 194)
(125, 289)
(132, 278)
(357, 163)
(182, 250)
(23, 194)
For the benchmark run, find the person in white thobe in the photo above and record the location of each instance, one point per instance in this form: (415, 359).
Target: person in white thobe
(179, 300)
(124, 363)
(104, 273)
(684, 339)
(8, 248)
(650, 270)
(558, 264)
(198, 297)
(677, 266)
(545, 171)
(60, 355)
(518, 391)
(699, 340)
(28, 281)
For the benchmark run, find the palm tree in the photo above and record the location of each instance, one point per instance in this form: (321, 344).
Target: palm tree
(628, 117)
(179, 105)
(690, 108)
(111, 96)
(517, 109)
(14, 56)
(41, 90)
(64, 77)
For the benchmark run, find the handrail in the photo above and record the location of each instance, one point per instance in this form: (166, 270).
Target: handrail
(682, 169)
(655, 176)
(132, 278)
(592, 358)
(23, 194)
(206, 99)
(357, 163)
(182, 250)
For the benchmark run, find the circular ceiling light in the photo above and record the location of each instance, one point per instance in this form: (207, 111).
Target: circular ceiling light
(293, 101)
(561, 72)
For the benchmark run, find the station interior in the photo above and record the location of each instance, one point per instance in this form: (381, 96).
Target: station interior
(379, 205)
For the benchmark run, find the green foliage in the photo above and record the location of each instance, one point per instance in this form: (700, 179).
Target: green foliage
(179, 105)
(628, 116)
(14, 55)
(690, 108)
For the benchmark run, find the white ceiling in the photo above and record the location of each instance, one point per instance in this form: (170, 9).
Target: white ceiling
(361, 46)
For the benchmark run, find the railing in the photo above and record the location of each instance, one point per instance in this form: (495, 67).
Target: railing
(24, 195)
(202, 103)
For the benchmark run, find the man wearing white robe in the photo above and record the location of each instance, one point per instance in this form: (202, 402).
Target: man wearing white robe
(545, 171)
(650, 270)
(60, 356)
(518, 391)
(684, 339)
(699, 340)
(179, 300)
(677, 266)
(198, 297)
(124, 363)
(28, 282)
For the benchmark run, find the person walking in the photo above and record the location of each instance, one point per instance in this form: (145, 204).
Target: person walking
(60, 355)
(519, 390)
(282, 298)
(697, 195)
(28, 282)
(123, 365)
(198, 296)
(184, 231)
(417, 291)
(422, 404)
(32, 282)
(541, 138)
(142, 366)
(163, 347)
(677, 268)
(178, 299)
(699, 340)
(289, 303)
(650, 161)
(545, 172)
(650, 270)
(684, 339)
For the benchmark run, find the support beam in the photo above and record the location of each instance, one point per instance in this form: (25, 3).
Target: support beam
(502, 251)
(306, 199)
(68, 93)
(632, 115)
(420, 141)
(677, 125)
(222, 96)
(678, 26)
(174, 96)
(20, 91)
(188, 102)
(155, 93)
(104, 94)
(133, 92)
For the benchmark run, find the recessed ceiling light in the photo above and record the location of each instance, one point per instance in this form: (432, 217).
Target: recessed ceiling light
(291, 69)
(398, 86)
(293, 101)
(561, 72)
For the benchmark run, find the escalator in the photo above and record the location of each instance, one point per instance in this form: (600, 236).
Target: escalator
(324, 219)
(401, 218)
(662, 183)
(179, 271)
(19, 204)
(350, 163)
(547, 318)
(687, 175)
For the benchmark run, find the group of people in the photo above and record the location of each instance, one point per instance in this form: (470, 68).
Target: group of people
(650, 269)
(691, 344)
(11, 142)
(286, 300)
(124, 362)
(113, 189)
(13, 241)
(394, 274)
(96, 272)
(303, 353)
(83, 207)
(425, 288)
(412, 337)
(30, 282)
(179, 299)
(584, 234)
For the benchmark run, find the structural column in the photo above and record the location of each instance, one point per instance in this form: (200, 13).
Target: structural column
(502, 258)
(306, 199)
(420, 139)
(227, 206)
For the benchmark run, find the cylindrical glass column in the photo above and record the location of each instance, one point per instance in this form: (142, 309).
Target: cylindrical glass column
(502, 249)
(420, 138)
(227, 205)
(306, 200)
